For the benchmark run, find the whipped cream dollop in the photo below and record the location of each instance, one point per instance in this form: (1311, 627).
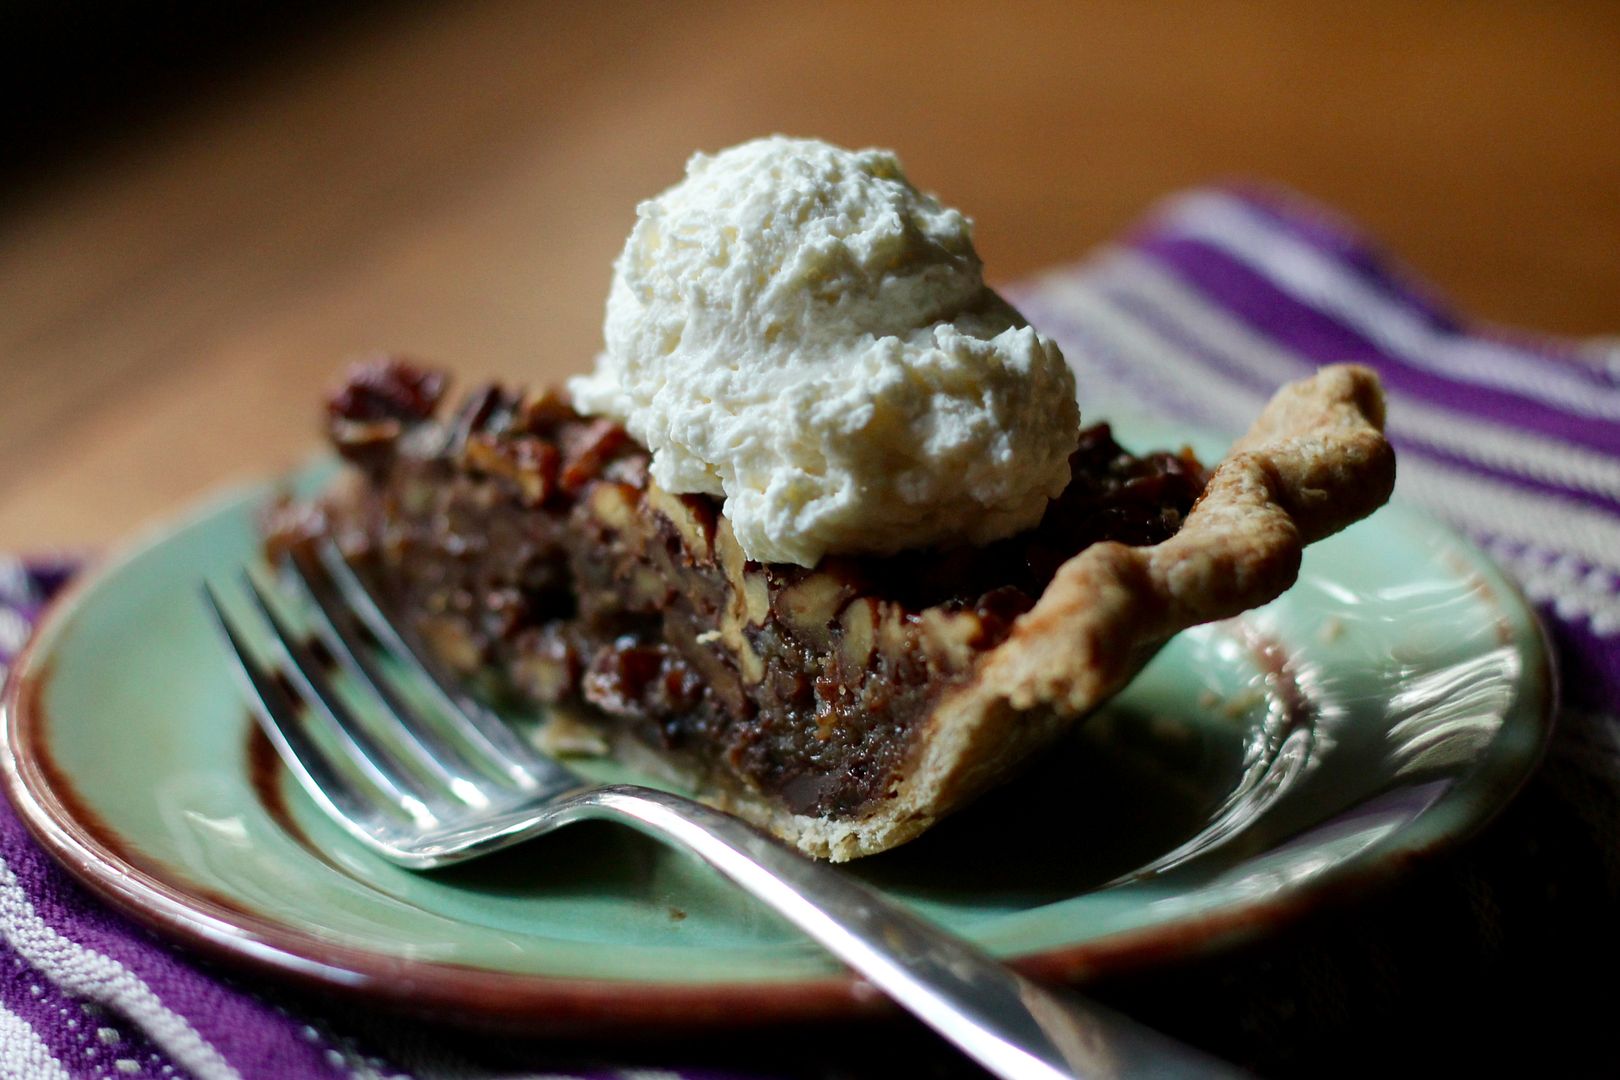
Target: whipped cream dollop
(798, 330)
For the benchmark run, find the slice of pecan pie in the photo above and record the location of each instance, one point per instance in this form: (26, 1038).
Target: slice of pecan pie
(848, 706)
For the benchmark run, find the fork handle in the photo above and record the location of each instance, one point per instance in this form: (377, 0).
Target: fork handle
(1015, 1028)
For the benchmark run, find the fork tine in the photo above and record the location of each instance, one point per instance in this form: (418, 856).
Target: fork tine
(477, 724)
(377, 763)
(336, 627)
(277, 714)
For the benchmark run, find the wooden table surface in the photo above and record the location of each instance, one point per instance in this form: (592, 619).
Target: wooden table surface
(454, 180)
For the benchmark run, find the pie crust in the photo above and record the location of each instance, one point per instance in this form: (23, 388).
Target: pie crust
(1314, 462)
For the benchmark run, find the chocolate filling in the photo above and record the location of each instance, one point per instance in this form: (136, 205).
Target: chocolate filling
(525, 546)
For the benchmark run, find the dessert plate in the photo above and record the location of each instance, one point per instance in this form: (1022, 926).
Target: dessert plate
(1384, 707)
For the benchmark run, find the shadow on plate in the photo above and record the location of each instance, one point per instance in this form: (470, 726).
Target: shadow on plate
(1124, 789)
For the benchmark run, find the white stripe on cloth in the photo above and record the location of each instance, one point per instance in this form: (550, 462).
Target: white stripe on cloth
(83, 972)
(1562, 583)
(1294, 267)
(23, 1054)
(1474, 439)
(14, 630)
(1548, 526)
(15, 587)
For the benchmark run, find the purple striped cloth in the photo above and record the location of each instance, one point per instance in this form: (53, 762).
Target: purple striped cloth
(1477, 961)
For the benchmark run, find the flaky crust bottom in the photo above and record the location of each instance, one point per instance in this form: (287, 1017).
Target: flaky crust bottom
(1314, 462)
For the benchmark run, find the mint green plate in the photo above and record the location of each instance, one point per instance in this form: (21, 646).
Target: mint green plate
(1385, 706)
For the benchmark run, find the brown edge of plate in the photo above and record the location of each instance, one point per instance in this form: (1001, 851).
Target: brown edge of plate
(549, 1005)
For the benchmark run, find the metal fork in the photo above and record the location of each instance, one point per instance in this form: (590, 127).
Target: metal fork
(429, 795)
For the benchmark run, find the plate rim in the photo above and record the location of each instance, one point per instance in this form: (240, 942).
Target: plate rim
(547, 1004)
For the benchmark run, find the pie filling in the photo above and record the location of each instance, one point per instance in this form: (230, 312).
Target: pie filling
(525, 546)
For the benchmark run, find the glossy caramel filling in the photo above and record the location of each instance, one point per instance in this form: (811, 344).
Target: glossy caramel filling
(526, 547)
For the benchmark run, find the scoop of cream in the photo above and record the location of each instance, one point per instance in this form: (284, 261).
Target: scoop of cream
(797, 329)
